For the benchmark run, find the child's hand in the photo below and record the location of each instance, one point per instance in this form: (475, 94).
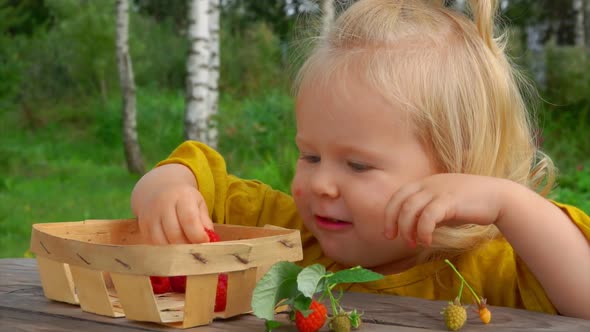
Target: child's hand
(417, 208)
(177, 214)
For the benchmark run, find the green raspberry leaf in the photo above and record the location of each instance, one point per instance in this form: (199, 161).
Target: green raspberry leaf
(279, 283)
(271, 325)
(309, 278)
(302, 304)
(355, 274)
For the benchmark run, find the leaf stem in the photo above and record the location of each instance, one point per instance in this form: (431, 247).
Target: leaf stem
(332, 299)
(463, 281)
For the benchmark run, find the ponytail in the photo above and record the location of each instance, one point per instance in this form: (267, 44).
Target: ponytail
(484, 17)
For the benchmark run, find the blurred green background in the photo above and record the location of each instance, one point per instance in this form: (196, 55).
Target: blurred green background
(61, 153)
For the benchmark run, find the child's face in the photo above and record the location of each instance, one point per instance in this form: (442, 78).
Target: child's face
(356, 150)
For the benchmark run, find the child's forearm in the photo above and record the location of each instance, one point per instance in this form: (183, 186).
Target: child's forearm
(553, 248)
(158, 178)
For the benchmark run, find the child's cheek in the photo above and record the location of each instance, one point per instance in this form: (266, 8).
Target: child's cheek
(297, 192)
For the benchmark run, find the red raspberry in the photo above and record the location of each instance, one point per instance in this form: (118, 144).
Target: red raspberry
(213, 237)
(221, 295)
(314, 321)
(160, 284)
(178, 283)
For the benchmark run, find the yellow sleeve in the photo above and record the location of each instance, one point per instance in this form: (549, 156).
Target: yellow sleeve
(577, 216)
(236, 201)
(528, 292)
(232, 200)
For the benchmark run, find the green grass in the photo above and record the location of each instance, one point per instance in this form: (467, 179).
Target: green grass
(72, 167)
(566, 140)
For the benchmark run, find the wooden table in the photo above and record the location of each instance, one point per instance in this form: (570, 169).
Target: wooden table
(23, 307)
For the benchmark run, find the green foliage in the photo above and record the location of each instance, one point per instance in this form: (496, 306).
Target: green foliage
(11, 16)
(285, 283)
(573, 187)
(164, 10)
(568, 77)
(18, 20)
(563, 113)
(22, 17)
(75, 55)
(10, 68)
(278, 283)
(158, 52)
(85, 33)
(565, 119)
(260, 65)
(256, 136)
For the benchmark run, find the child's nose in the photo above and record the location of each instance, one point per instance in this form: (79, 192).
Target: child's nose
(323, 182)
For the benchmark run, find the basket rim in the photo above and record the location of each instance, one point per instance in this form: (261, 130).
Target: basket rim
(167, 260)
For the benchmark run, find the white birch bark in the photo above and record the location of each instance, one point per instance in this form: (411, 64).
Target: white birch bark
(328, 16)
(132, 150)
(214, 64)
(579, 38)
(197, 114)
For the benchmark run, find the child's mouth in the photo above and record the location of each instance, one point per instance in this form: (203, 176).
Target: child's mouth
(331, 223)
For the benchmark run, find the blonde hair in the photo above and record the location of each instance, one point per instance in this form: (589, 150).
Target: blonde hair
(450, 72)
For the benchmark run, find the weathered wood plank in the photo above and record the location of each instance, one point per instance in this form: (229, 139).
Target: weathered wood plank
(17, 274)
(21, 320)
(29, 310)
(419, 313)
(23, 307)
(16, 320)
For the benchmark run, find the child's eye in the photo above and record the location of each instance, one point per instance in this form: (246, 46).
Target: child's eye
(358, 167)
(310, 158)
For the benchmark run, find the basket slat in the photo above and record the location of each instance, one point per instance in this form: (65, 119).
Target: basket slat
(240, 286)
(92, 292)
(199, 300)
(56, 280)
(136, 297)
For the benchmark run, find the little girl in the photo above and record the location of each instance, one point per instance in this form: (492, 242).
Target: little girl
(415, 146)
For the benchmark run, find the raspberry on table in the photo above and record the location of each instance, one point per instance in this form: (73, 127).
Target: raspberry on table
(455, 315)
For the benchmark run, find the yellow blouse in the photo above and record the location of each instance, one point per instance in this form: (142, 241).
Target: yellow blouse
(493, 269)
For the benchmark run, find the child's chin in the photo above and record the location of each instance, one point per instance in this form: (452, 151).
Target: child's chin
(342, 258)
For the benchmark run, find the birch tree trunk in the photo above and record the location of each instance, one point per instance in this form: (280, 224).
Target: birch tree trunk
(579, 8)
(328, 16)
(197, 114)
(213, 99)
(587, 23)
(132, 150)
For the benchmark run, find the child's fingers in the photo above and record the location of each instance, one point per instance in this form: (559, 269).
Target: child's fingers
(204, 216)
(156, 233)
(172, 228)
(431, 215)
(149, 228)
(189, 218)
(392, 210)
(410, 211)
(187, 214)
(143, 229)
